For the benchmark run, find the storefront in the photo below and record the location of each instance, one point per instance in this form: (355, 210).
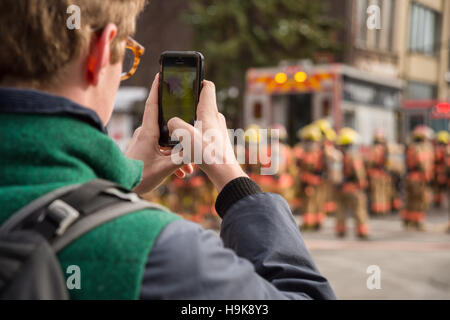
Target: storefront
(433, 113)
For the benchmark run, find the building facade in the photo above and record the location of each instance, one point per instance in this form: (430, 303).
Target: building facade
(412, 44)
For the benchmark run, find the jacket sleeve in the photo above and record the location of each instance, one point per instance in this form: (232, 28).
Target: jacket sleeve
(261, 255)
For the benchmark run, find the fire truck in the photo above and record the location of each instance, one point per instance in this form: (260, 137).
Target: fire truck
(295, 95)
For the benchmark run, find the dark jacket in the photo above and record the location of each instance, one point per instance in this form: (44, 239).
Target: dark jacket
(260, 253)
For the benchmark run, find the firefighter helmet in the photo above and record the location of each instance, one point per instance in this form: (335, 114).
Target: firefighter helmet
(379, 136)
(422, 132)
(347, 136)
(252, 134)
(443, 137)
(311, 132)
(323, 125)
(330, 135)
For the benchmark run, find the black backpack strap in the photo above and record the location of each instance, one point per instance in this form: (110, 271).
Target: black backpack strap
(100, 217)
(33, 206)
(53, 220)
(67, 213)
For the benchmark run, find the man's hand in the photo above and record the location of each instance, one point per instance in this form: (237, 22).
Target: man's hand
(145, 147)
(219, 173)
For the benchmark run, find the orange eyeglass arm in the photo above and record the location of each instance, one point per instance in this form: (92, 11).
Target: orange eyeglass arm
(138, 51)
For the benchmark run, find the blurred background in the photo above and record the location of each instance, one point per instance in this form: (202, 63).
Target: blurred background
(363, 64)
(391, 76)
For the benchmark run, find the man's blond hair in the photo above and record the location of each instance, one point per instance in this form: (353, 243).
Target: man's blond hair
(37, 45)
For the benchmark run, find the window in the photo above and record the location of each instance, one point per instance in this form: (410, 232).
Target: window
(391, 18)
(361, 18)
(257, 110)
(448, 67)
(420, 91)
(326, 108)
(424, 30)
(348, 118)
(416, 120)
(440, 124)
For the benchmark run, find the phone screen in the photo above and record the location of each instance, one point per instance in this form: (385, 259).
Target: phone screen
(179, 92)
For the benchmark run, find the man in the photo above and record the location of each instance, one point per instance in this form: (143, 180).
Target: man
(351, 193)
(282, 181)
(297, 154)
(188, 195)
(447, 173)
(380, 182)
(311, 167)
(440, 174)
(396, 168)
(419, 163)
(333, 159)
(57, 94)
(252, 164)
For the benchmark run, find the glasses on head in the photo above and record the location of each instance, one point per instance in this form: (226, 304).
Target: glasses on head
(133, 54)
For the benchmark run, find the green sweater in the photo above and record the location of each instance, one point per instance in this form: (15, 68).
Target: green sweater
(39, 153)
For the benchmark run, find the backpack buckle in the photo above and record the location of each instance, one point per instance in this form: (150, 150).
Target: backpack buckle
(62, 214)
(130, 196)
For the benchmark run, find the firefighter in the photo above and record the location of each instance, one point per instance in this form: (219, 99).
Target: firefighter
(380, 183)
(419, 163)
(267, 180)
(440, 177)
(396, 167)
(252, 166)
(283, 182)
(332, 157)
(311, 167)
(207, 214)
(187, 195)
(351, 194)
(297, 154)
(447, 166)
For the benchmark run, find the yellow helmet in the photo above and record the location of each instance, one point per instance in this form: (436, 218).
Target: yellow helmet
(323, 125)
(311, 132)
(330, 135)
(443, 137)
(282, 132)
(252, 134)
(347, 136)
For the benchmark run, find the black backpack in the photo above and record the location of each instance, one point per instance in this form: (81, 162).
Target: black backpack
(31, 238)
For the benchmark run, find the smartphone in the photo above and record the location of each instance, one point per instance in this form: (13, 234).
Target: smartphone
(180, 82)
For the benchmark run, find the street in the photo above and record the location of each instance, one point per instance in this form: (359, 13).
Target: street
(413, 265)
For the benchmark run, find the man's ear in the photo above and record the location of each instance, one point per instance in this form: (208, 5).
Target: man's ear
(100, 52)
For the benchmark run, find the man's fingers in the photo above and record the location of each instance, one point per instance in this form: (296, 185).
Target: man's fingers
(185, 170)
(150, 121)
(180, 173)
(188, 168)
(207, 103)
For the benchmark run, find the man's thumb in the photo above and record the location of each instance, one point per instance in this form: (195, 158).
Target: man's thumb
(179, 128)
(176, 123)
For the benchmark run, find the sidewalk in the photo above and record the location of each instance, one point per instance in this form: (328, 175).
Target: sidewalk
(413, 265)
